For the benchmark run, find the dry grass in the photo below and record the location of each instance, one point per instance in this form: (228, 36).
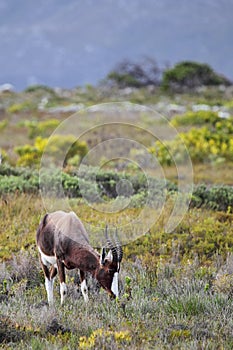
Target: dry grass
(167, 299)
(176, 307)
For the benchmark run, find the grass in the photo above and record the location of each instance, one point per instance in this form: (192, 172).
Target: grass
(175, 291)
(19, 215)
(174, 308)
(201, 232)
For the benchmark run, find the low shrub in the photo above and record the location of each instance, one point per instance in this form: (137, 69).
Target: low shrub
(55, 146)
(43, 129)
(196, 118)
(203, 145)
(3, 124)
(9, 184)
(39, 87)
(95, 184)
(21, 107)
(215, 197)
(90, 182)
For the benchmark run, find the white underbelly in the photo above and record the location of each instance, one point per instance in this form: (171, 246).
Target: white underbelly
(48, 260)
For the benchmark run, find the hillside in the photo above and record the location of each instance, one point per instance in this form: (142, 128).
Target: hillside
(155, 165)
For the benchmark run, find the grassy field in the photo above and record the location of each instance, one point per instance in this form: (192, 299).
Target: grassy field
(175, 288)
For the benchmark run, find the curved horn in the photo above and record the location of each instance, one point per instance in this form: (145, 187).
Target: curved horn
(111, 246)
(118, 247)
(113, 250)
(102, 256)
(120, 253)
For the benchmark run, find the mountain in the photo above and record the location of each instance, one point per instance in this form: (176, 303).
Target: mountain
(71, 43)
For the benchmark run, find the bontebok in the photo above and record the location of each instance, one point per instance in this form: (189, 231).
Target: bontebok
(63, 243)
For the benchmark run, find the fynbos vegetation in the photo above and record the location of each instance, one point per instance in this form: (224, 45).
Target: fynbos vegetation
(175, 289)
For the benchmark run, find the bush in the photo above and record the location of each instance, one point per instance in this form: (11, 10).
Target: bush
(98, 184)
(207, 144)
(93, 183)
(3, 124)
(12, 184)
(55, 147)
(21, 107)
(131, 74)
(35, 88)
(43, 129)
(189, 75)
(7, 170)
(4, 156)
(216, 197)
(196, 118)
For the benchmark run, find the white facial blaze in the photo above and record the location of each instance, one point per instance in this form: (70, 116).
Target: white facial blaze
(109, 256)
(114, 287)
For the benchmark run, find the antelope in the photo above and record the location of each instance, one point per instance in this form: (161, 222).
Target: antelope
(62, 241)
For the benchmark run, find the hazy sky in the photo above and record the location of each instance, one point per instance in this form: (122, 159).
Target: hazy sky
(73, 42)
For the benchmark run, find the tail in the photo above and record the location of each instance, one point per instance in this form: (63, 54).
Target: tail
(41, 226)
(44, 221)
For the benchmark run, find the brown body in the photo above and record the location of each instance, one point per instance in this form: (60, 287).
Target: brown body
(63, 243)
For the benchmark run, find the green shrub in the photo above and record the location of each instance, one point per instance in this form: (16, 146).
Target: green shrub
(93, 183)
(55, 147)
(6, 169)
(138, 200)
(21, 107)
(43, 129)
(189, 75)
(99, 184)
(4, 156)
(58, 143)
(38, 87)
(123, 79)
(70, 185)
(132, 74)
(203, 145)
(196, 118)
(3, 124)
(19, 184)
(216, 197)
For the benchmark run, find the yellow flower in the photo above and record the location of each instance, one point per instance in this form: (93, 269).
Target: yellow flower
(122, 336)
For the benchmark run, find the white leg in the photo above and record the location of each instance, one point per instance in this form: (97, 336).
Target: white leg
(84, 290)
(63, 292)
(49, 290)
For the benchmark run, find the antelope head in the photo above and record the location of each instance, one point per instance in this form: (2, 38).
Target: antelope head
(107, 274)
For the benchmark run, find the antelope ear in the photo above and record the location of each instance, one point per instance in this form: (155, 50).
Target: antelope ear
(102, 256)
